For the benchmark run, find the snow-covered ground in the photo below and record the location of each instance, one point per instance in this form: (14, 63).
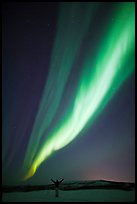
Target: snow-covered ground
(91, 195)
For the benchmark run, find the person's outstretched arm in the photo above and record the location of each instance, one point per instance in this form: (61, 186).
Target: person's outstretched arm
(52, 180)
(61, 180)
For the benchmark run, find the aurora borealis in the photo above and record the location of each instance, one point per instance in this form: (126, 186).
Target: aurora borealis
(89, 60)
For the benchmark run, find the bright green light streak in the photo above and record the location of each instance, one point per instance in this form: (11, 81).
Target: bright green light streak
(67, 43)
(97, 85)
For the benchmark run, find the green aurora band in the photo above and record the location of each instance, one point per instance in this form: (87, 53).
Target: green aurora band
(99, 81)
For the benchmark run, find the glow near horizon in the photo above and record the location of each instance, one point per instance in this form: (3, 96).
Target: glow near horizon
(96, 85)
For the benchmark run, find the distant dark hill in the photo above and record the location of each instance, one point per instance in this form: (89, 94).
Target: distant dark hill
(73, 185)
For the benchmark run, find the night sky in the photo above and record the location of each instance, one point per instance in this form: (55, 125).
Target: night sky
(68, 92)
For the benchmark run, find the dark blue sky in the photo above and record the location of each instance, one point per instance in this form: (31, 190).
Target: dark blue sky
(106, 150)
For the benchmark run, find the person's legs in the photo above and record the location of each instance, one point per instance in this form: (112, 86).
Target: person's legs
(57, 192)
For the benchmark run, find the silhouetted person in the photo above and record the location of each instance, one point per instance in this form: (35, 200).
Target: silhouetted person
(57, 186)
